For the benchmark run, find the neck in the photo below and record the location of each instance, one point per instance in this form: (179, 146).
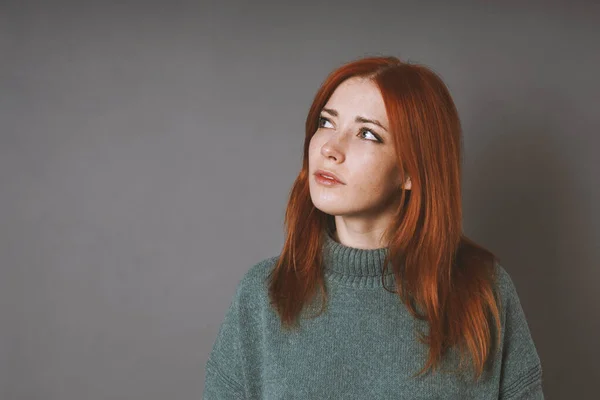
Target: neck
(352, 266)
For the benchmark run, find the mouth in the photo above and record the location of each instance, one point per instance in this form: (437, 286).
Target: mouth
(327, 177)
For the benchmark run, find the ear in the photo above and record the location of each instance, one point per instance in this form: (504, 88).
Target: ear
(406, 186)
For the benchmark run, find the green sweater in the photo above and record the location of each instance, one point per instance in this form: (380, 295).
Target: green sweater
(363, 346)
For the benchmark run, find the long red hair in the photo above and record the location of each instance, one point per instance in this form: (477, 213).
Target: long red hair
(442, 277)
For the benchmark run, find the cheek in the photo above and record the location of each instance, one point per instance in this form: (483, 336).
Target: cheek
(377, 175)
(312, 142)
(311, 146)
(314, 146)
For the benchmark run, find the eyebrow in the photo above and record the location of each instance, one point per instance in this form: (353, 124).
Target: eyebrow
(357, 119)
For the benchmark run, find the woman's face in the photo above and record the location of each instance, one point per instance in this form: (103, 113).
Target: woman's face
(360, 153)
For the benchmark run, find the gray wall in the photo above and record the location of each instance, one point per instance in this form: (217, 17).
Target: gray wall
(147, 150)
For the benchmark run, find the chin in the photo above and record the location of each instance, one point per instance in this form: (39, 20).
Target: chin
(331, 209)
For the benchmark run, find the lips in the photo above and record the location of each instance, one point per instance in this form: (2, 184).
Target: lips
(329, 175)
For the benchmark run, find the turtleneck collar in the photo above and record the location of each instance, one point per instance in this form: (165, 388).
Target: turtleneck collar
(354, 267)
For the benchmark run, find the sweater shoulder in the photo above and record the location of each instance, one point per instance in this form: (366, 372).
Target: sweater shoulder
(259, 271)
(504, 282)
(521, 369)
(253, 283)
(506, 288)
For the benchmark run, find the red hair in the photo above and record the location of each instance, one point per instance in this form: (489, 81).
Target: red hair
(442, 276)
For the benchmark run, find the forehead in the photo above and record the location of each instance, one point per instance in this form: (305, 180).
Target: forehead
(358, 96)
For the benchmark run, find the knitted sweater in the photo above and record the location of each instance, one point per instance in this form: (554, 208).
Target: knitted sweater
(364, 345)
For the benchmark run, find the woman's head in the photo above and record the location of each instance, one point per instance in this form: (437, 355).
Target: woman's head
(408, 150)
(353, 141)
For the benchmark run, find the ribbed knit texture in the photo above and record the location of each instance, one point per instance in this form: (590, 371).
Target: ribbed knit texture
(354, 267)
(364, 346)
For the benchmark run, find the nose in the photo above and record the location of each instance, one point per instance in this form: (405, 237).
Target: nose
(333, 149)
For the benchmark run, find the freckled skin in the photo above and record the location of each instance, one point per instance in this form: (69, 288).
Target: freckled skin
(352, 151)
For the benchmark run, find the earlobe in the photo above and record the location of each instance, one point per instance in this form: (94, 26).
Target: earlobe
(407, 185)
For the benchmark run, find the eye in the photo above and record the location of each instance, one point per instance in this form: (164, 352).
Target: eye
(376, 138)
(323, 120)
(364, 130)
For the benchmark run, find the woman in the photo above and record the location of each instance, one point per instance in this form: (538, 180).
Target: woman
(377, 293)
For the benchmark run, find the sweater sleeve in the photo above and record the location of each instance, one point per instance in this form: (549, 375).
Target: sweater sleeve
(521, 371)
(224, 368)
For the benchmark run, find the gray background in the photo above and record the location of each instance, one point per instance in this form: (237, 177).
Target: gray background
(147, 150)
